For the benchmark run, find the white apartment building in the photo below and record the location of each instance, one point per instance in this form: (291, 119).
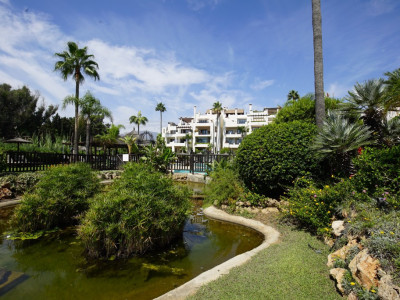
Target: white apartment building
(233, 125)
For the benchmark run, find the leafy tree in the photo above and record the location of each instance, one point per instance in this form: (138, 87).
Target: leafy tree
(92, 109)
(393, 90)
(303, 109)
(159, 156)
(75, 62)
(318, 63)
(293, 96)
(217, 109)
(338, 139)
(161, 108)
(139, 120)
(188, 138)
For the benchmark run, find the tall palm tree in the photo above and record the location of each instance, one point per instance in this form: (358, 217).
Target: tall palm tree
(75, 62)
(293, 95)
(92, 109)
(318, 63)
(139, 120)
(217, 108)
(161, 108)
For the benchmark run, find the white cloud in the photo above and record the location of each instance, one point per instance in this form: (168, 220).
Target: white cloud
(337, 90)
(262, 84)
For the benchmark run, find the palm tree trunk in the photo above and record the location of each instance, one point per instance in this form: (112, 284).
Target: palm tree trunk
(318, 63)
(161, 122)
(76, 116)
(138, 129)
(87, 144)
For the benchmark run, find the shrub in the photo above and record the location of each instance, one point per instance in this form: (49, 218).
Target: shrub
(142, 210)
(378, 169)
(225, 186)
(58, 198)
(271, 158)
(3, 162)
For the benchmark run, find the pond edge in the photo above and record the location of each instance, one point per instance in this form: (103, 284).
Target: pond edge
(189, 288)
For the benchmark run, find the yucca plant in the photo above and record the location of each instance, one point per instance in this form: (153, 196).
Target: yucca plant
(338, 139)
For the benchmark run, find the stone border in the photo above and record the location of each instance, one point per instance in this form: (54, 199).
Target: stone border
(189, 288)
(10, 202)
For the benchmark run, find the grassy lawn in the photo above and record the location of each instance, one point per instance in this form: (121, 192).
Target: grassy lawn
(289, 269)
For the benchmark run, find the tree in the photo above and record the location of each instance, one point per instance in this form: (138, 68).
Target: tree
(188, 137)
(75, 62)
(139, 120)
(366, 101)
(318, 63)
(161, 108)
(338, 138)
(217, 108)
(293, 96)
(130, 142)
(110, 137)
(392, 100)
(92, 109)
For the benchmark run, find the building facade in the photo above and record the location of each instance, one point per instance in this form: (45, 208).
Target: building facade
(208, 132)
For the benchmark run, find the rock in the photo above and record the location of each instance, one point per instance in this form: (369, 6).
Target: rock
(224, 207)
(5, 193)
(387, 290)
(269, 210)
(341, 253)
(252, 210)
(364, 269)
(337, 274)
(272, 203)
(338, 227)
(328, 241)
(352, 296)
(247, 203)
(239, 203)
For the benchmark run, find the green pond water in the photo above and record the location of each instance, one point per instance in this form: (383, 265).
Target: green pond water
(56, 268)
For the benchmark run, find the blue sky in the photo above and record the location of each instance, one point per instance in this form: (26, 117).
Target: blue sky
(196, 52)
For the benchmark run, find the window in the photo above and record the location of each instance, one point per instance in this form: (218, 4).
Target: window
(241, 121)
(203, 121)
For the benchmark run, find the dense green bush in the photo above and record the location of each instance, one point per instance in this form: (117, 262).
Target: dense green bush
(142, 210)
(271, 158)
(3, 162)
(303, 109)
(225, 187)
(57, 199)
(377, 170)
(314, 207)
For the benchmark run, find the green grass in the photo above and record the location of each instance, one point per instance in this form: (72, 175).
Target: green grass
(289, 269)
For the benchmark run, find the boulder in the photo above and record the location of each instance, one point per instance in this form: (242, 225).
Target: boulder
(341, 253)
(352, 296)
(5, 193)
(272, 203)
(338, 227)
(364, 269)
(337, 274)
(387, 290)
(269, 210)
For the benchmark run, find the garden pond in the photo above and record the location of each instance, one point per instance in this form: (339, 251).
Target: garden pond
(54, 266)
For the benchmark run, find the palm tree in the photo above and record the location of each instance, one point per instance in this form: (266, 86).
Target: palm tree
(366, 101)
(91, 109)
(139, 120)
(393, 90)
(161, 108)
(75, 61)
(217, 108)
(188, 137)
(318, 63)
(110, 137)
(293, 96)
(129, 140)
(338, 137)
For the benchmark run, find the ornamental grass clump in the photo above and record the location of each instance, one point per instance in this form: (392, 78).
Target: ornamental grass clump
(57, 199)
(142, 210)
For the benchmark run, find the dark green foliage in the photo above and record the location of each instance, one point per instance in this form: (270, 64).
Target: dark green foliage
(271, 158)
(142, 210)
(60, 196)
(378, 170)
(303, 109)
(3, 161)
(225, 186)
(159, 156)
